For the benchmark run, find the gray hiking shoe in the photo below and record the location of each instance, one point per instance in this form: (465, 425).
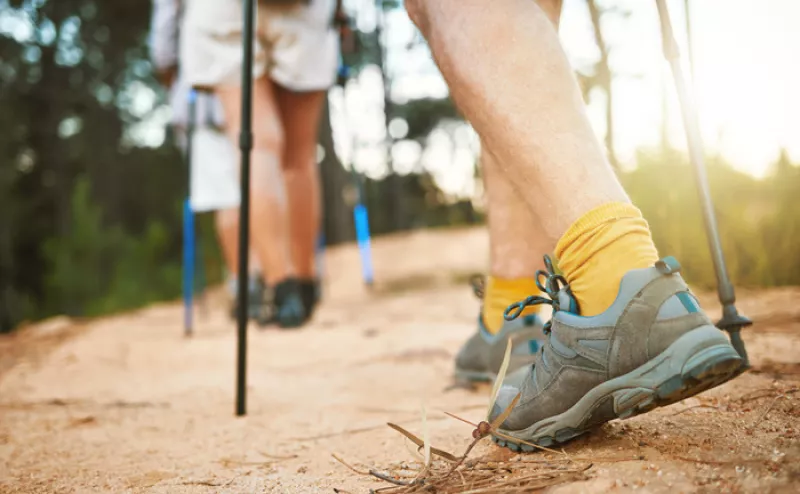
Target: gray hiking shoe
(654, 346)
(480, 358)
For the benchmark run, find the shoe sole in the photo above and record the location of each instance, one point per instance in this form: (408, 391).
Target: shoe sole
(699, 360)
(291, 317)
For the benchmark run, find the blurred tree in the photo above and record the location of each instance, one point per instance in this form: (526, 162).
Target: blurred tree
(337, 223)
(603, 78)
(75, 77)
(91, 188)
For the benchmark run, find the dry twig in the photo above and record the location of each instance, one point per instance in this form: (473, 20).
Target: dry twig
(386, 477)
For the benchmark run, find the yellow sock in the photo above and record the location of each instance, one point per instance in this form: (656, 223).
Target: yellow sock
(599, 248)
(502, 292)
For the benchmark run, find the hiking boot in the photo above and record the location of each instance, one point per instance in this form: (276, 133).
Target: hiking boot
(654, 346)
(288, 303)
(480, 358)
(310, 293)
(258, 309)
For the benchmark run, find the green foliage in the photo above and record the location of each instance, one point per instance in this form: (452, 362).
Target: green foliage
(74, 277)
(758, 220)
(72, 92)
(103, 269)
(99, 269)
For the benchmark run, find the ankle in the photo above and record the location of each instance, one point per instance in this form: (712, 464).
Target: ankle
(599, 248)
(502, 292)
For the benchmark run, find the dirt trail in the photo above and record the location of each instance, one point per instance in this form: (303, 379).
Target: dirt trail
(126, 404)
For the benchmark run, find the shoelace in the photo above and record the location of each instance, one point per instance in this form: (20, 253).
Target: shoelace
(552, 284)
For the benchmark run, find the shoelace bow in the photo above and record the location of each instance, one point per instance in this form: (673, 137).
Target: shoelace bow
(552, 284)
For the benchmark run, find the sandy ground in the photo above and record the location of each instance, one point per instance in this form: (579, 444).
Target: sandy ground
(127, 404)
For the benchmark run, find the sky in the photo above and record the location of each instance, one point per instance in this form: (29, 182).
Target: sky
(746, 81)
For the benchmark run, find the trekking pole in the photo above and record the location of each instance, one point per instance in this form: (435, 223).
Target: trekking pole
(189, 241)
(245, 145)
(731, 321)
(361, 219)
(360, 213)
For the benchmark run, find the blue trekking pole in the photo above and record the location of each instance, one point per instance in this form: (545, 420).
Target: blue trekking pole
(189, 241)
(360, 216)
(363, 238)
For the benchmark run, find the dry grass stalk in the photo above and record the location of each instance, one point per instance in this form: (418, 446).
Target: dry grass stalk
(501, 376)
(478, 476)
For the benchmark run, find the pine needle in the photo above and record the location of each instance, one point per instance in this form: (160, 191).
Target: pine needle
(420, 443)
(426, 440)
(459, 418)
(360, 472)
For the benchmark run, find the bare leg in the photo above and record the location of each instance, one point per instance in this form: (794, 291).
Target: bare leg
(227, 223)
(508, 74)
(517, 240)
(300, 114)
(525, 104)
(268, 216)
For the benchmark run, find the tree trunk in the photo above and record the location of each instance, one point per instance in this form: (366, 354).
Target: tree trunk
(604, 80)
(336, 222)
(396, 200)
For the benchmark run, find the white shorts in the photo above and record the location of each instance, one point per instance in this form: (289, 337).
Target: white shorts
(296, 45)
(214, 173)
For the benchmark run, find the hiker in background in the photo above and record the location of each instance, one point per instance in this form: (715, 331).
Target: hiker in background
(214, 175)
(296, 55)
(626, 334)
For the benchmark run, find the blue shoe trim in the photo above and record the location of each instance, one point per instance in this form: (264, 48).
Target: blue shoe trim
(688, 302)
(485, 334)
